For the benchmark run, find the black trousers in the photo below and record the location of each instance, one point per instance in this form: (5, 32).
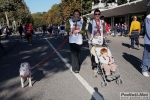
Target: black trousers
(1, 45)
(75, 56)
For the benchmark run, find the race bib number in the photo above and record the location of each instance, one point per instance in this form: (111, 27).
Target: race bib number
(99, 39)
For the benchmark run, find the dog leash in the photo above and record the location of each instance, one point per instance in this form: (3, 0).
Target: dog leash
(50, 54)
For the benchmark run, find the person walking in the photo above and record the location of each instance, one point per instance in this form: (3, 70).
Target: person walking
(115, 29)
(44, 29)
(96, 29)
(125, 29)
(20, 31)
(55, 30)
(62, 29)
(28, 32)
(75, 30)
(135, 30)
(1, 45)
(146, 54)
(7, 32)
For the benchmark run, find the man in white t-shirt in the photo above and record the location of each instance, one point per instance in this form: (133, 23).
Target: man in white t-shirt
(62, 29)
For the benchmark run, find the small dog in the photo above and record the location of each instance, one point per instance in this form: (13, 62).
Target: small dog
(25, 73)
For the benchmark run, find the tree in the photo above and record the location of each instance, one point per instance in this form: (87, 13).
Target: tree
(38, 19)
(68, 6)
(7, 6)
(14, 10)
(86, 6)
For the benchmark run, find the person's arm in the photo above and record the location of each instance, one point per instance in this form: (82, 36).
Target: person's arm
(68, 29)
(131, 28)
(82, 31)
(89, 30)
(139, 28)
(147, 29)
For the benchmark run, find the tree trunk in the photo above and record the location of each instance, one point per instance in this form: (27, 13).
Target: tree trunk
(7, 18)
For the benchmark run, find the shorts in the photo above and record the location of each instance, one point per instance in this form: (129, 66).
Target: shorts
(28, 36)
(62, 31)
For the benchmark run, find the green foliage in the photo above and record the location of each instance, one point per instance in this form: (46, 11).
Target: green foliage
(86, 6)
(38, 19)
(15, 10)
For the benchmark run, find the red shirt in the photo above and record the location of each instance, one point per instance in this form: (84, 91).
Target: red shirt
(28, 29)
(107, 28)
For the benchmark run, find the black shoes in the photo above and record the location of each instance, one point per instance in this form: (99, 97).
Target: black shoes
(76, 71)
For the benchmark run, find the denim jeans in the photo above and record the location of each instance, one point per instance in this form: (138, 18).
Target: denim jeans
(55, 33)
(125, 32)
(115, 32)
(134, 37)
(146, 58)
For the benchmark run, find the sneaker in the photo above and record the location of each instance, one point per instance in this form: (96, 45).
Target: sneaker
(139, 46)
(131, 48)
(109, 78)
(76, 71)
(145, 74)
(114, 75)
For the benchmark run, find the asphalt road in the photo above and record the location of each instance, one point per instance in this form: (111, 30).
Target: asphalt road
(52, 80)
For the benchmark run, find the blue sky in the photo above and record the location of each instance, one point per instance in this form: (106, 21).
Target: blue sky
(40, 5)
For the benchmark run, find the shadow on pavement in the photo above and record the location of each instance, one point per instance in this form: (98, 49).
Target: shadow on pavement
(37, 75)
(136, 62)
(128, 45)
(17, 53)
(142, 45)
(96, 89)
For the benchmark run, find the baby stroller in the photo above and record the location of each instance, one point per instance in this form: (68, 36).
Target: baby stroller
(95, 51)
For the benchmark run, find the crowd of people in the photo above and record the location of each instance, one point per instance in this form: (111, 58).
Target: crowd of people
(96, 30)
(52, 28)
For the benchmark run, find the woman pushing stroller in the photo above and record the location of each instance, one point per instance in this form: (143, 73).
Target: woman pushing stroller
(96, 28)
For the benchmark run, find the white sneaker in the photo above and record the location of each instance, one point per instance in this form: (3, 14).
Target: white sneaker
(139, 47)
(145, 74)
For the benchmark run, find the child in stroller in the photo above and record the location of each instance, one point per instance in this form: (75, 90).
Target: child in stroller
(107, 62)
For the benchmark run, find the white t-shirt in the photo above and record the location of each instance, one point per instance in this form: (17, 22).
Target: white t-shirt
(75, 38)
(97, 33)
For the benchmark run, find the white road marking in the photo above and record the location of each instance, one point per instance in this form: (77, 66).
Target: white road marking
(84, 83)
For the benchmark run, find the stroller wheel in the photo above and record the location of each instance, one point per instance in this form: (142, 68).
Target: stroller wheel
(119, 81)
(104, 84)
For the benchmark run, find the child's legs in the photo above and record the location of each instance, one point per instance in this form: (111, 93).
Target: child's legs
(107, 69)
(113, 67)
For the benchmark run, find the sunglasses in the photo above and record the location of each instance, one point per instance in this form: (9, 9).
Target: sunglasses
(96, 14)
